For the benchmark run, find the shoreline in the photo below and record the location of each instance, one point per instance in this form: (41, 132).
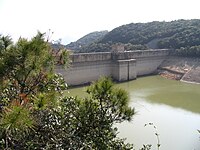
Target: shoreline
(182, 69)
(175, 77)
(190, 82)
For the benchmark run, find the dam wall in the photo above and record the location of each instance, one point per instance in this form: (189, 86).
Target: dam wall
(121, 66)
(85, 72)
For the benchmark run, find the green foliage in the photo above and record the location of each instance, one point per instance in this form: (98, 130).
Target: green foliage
(179, 34)
(79, 123)
(61, 53)
(5, 41)
(193, 51)
(35, 115)
(28, 83)
(131, 47)
(147, 147)
(26, 68)
(86, 40)
(106, 106)
(174, 34)
(16, 118)
(107, 96)
(95, 47)
(106, 47)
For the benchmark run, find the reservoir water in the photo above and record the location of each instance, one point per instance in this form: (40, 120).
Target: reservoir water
(172, 106)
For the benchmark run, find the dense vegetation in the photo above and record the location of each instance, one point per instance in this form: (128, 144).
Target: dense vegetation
(106, 47)
(86, 40)
(34, 114)
(193, 51)
(174, 34)
(177, 35)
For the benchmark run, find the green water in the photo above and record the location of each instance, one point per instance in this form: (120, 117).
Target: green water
(172, 106)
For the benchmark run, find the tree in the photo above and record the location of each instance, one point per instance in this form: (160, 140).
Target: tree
(106, 106)
(27, 83)
(34, 114)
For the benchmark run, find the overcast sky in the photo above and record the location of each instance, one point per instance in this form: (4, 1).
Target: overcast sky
(72, 19)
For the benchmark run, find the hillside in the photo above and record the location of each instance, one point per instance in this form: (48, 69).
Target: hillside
(86, 40)
(179, 34)
(174, 34)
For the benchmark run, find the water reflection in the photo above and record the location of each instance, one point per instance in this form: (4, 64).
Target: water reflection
(173, 106)
(162, 91)
(177, 128)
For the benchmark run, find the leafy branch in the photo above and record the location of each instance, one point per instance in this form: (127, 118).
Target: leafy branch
(156, 134)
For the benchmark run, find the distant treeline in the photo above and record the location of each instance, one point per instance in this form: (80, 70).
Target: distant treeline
(106, 47)
(193, 51)
(86, 40)
(181, 35)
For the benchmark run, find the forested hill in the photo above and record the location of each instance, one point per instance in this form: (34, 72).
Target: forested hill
(86, 40)
(179, 34)
(175, 34)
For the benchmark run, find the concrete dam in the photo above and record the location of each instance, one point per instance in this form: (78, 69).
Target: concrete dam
(121, 66)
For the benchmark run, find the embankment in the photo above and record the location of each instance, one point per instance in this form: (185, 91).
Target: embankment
(181, 68)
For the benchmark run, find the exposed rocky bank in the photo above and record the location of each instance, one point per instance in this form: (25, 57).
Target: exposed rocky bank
(181, 68)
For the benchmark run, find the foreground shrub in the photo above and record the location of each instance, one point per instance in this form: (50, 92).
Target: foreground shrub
(35, 115)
